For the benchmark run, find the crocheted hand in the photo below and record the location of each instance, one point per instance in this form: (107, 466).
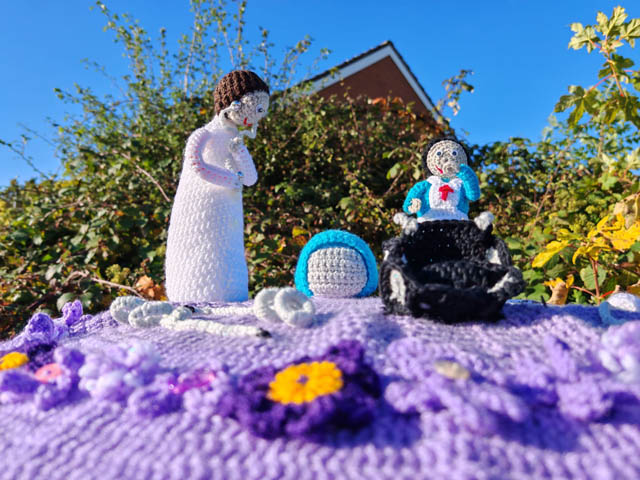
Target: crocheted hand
(415, 206)
(210, 173)
(236, 144)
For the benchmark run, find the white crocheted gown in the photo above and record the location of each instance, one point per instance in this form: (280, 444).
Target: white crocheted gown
(205, 247)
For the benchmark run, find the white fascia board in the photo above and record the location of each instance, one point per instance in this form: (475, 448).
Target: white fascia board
(363, 63)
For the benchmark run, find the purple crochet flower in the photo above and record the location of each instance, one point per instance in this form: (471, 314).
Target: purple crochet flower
(199, 390)
(205, 389)
(49, 386)
(620, 352)
(72, 312)
(340, 390)
(434, 380)
(155, 399)
(115, 374)
(43, 333)
(581, 391)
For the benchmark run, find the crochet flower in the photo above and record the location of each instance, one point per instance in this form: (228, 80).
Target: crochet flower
(42, 333)
(304, 382)
(584, 391)
(309, 397)
(49, 386)
(115, 374)
(434, 380)
(199, 390)
(620, 351)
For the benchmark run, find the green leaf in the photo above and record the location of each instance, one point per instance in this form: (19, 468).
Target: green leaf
(394, 171)
(588, 279)
(347, 203)
(63, 299)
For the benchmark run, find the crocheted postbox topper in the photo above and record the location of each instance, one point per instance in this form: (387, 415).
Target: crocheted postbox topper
(338, 264)
(205, 246)
(444, 195)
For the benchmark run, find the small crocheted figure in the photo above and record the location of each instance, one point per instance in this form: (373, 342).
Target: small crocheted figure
(205, 247)
(337, 264)
(445, 195)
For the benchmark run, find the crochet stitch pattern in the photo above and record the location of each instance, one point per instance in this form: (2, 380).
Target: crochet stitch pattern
(543, 356)
(338, 264)
(444, 195)
(448, 270)
(205, 259)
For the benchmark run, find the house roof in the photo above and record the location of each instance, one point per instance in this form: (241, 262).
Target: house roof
(362, 61)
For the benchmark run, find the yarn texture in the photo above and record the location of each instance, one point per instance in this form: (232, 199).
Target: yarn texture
(444, 195)
(448, 270)
(525, 397)
(205, 259)
(338, 264)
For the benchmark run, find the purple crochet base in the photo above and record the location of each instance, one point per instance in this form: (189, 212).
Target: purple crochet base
(92, 439)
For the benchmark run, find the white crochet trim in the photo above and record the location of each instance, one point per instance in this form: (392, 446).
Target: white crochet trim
(122, 306)
(149, 314)
(263, 305)
(294, 307)
(286, 305)
(398, 289)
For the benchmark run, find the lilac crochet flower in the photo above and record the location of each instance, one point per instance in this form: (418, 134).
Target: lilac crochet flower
(47, 390)
(115, 374)
(582, 391)
(620, 351)
(309, 397)
(200, 390)
(434, 380)
(205, 390)
(72, 313)
(155, 399)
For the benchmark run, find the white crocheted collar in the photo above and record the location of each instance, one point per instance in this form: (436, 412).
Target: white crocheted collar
(220, 123)
(436, 180)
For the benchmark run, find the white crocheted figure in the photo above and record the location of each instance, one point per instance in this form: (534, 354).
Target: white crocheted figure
(205, 247)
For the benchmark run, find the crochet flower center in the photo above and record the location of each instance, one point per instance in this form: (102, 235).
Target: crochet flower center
(13, 360)
(304, 382)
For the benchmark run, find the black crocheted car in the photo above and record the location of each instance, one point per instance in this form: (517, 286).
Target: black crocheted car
(449, 271)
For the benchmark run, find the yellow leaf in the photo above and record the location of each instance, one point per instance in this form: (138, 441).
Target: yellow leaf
(577, 253)
(559, 290)
(548, 253)
(623, 239)
(565, 234)
(634, 289)
(602, 223)
(553, 283)
(297, 231)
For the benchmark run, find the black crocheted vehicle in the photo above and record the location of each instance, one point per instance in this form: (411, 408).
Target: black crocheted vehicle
(450, 271)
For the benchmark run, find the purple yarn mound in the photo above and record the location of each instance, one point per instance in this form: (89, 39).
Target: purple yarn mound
(546, 392)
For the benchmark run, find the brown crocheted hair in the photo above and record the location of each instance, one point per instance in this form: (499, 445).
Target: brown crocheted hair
(234, 85)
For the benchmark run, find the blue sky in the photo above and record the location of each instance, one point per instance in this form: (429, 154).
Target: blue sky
(517, 49)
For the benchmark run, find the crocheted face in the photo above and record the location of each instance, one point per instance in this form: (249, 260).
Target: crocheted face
(249, 110)
(445, 157)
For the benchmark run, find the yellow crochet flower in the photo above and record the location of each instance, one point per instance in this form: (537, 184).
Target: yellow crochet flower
(304, 382)
(13, 360)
